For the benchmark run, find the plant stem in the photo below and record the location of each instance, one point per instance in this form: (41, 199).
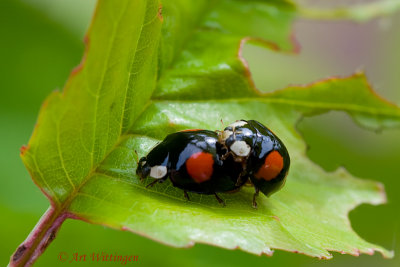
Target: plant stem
(40, 237)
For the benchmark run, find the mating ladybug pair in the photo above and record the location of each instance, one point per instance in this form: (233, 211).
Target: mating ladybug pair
(208, 162)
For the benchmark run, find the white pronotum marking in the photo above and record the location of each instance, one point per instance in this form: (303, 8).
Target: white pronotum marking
(240, 148)
(238, 124)
(158, 172)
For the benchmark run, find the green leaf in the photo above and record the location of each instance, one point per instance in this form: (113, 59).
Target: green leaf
(150, 70)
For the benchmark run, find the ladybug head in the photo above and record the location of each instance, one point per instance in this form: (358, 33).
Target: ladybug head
(143, 168)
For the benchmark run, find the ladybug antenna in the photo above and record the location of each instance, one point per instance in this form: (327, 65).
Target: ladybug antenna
(137, 156)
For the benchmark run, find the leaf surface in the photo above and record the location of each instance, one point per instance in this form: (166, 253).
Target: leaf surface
(152, 69)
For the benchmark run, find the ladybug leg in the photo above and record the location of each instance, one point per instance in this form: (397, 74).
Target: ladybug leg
(239, 180)
(227, 154)
(220, 200)
(141, 178)
(254, 198)
(248, 183)
(156, 181)
(186, 195)
(224, 152)
(137, 157)
(152, 184)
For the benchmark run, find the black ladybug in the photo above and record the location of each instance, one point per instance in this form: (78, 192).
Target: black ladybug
(192, 160)
(264, 157)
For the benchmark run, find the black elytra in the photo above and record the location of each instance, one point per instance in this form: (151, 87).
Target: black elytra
(208, 162)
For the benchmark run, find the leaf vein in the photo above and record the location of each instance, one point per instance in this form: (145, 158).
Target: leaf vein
(125, 102)
(322, 105)
(102, 77)
(61, 156)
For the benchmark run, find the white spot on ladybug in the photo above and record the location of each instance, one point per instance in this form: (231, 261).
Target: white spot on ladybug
(158, 172)
(240, 148)
(238, 124)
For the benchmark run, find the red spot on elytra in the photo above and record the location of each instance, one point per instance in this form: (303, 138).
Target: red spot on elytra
(200, 166)
(272, 166)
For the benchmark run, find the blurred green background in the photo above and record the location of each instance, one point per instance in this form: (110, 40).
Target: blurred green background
(41, 41)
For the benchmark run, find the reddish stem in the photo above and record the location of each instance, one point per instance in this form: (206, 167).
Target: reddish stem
(41, 236)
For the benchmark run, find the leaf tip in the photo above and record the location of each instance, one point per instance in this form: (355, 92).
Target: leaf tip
(373, 92)
(23, 150)
(77, 69)
(295, 43)
(388, 254)
(244, 61)
(382, 193)
(271, 45)
(360, 74)
(357, 252)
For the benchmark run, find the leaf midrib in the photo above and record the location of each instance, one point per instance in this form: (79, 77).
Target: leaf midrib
(293, 102)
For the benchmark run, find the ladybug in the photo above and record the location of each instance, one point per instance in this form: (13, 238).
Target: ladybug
(264, 158)
(193, 161)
